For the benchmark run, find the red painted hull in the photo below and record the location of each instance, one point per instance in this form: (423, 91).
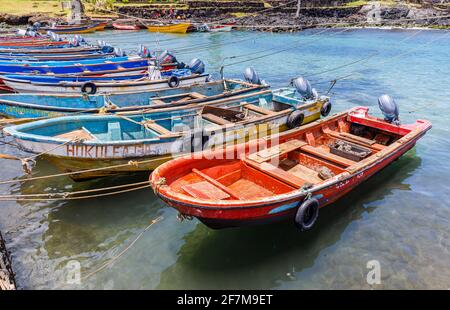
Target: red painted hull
(33, 44)
(232, 213)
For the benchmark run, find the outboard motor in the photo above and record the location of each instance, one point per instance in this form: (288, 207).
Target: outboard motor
(101, 43)
(32, 33)
(36, 26)
(166, 58)
(74, 41)
(21, 32)
(144, 52)
(119, 52)
(80, 39)
(389, 108)
(251, 76)
(197, 66)
(304, 88)
(107, 49)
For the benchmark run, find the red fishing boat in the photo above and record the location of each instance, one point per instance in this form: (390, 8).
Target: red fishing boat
(40, 43)
(290, 175)
(125, 26)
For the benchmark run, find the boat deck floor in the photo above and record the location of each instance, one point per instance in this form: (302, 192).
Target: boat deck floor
(249, 190)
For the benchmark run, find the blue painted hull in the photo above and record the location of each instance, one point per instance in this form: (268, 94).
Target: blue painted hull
(76, 68)
(58, 79)
(47, 105)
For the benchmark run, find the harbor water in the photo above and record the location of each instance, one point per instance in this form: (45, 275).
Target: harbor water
(399, 218)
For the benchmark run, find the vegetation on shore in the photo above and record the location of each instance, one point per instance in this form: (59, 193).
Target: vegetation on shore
(21, 7)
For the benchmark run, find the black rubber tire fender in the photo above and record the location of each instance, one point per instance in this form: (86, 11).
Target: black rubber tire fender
(307, 214)
(295, 119)
(326, 109)
(89, 88)
(174, 81)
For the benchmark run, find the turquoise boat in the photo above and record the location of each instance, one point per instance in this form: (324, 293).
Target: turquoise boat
(31, 106)
(124, 143)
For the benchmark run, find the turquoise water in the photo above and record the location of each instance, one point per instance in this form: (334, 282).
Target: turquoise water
(401, 217)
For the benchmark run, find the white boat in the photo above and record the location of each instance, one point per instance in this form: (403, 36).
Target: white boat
(220, 28)
(147, 84)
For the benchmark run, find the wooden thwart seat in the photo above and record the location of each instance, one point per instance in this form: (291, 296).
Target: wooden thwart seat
(327, 155)
(306, 174)
(276, 173)
(277, 150)
(196, 95)
(217, 184)
(257, 109)
(355, 139)
(78, 134)
(215, 119)
(158, 128)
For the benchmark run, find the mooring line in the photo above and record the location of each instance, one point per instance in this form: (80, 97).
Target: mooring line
(77, 198)
(112, 260)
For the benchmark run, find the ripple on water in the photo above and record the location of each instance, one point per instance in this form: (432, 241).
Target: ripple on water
(399, 217)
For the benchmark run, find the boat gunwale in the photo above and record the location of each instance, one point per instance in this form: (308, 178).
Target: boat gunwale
(17, 134)
(124, 83)
(407, 141)
(144, 108)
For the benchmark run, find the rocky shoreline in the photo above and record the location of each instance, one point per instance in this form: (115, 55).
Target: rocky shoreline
(281, 18)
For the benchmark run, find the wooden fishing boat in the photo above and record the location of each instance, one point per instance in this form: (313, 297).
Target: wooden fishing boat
(125, 26)
(141, 142)
(52, 51)
(220, 28)
(58, 57)
(110, 86)
(171, 28)
(108, 73)
(37, 44)
(100, 26)
(74, 29)
(288, 176)
(30, 106)
(93, 66)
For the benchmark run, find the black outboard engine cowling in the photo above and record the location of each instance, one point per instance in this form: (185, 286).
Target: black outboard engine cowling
(304, 88)
(36, 26)
(389, 108)
(251, 76)
(197, 66)
(107, 49)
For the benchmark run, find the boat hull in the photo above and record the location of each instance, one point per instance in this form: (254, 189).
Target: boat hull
(284, 211)
(176, 28)
(233, 213)
(126, 27)
(102, 88)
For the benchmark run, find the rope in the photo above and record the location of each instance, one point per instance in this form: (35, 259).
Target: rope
(387, 60)
(111, 261)
(279, 51)
(64, 194)
(130, 163)
(76, 198)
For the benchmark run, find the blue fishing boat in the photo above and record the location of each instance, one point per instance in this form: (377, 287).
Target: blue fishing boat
(142, 142)
(48, 105)
(51, 57)
(67, 63)
(157, 79)
(56, 50)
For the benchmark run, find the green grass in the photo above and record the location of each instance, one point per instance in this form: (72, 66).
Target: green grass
(19, 7)
(356, 3)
